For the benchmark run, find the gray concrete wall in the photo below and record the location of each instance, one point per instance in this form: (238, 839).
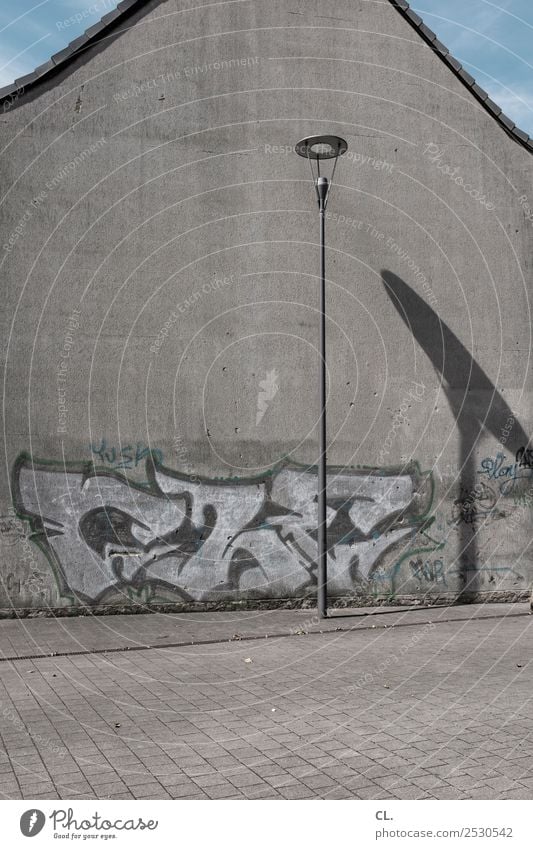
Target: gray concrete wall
(159, 257)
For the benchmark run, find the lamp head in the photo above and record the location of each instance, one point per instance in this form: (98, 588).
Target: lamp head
(318, 149)
(321, 147)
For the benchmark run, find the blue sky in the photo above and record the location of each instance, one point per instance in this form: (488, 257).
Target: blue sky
(492, 40)
(33, 30)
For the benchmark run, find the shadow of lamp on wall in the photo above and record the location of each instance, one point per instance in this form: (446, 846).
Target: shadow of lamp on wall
(474, 401)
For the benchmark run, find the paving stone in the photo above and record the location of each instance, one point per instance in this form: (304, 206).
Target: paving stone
(247, 780)
(338, 792)
(148, 791)
(220, 791)
(297, 791)
(277, 781)
(257, 792)
(372, 791)
(315, 782)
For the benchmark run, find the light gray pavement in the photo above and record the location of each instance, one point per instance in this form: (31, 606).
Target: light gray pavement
(394, 703)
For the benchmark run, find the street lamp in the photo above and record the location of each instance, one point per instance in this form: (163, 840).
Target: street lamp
(317, 149)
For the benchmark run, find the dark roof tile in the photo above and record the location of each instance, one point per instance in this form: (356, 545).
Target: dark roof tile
(479, 92)
(521, 134)
(24, 82)
(96, 29)
(111, 16)
(506, 121)
(494, 108)
(466, 77)
(430, 35)
(44, 68)
(453, 62)
(440, 47)
(7, 90)
(416, 19)
(69, 50)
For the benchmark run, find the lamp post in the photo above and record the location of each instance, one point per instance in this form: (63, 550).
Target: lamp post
(317, 149)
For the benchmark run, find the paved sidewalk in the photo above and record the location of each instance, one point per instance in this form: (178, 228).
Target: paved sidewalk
(42, 637)
(426, 703)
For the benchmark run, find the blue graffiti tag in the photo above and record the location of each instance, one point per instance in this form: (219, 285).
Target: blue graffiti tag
(126, 456)
(496, 468)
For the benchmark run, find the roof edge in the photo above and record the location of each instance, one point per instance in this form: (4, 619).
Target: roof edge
(11, 93)
(59, 60)
(467, 79)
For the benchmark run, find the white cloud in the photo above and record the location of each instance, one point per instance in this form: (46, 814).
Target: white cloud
(15, 66)
(12, 69)
(517, 102)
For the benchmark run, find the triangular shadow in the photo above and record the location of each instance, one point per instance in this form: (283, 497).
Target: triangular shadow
(474, 401)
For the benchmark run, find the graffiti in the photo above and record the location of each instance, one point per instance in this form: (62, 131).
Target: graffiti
(523, 499)
(35, 583)
(495, 468)
(13, 584)
(524, 457)
(493, 577)
(13, 534)
(11, 530)
(106, 536)
(12, 98)
(428, 571)
(478, 503)
(124, 457)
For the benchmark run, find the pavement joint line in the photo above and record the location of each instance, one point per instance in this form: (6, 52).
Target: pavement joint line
(380, 610)
(255, 637)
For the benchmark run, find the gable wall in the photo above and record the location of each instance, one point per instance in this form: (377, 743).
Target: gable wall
(160, 266)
